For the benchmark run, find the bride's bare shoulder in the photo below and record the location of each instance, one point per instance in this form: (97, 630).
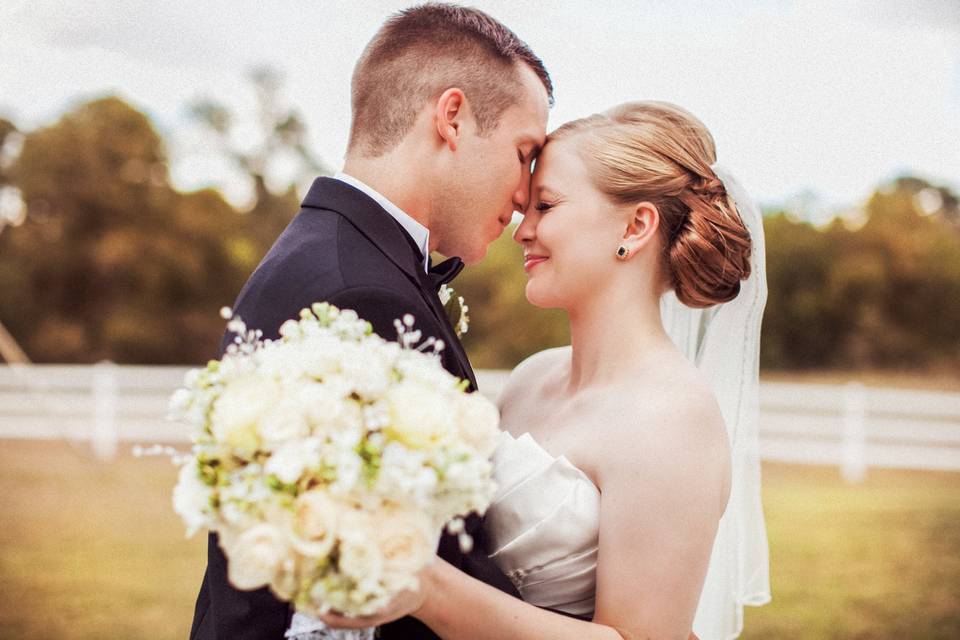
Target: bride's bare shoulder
(666, 451)
(532, 372)
(672, 413)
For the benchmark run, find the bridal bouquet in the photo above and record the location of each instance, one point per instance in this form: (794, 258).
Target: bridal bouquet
(329, 460)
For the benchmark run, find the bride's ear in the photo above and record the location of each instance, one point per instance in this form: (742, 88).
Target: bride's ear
(641, 229)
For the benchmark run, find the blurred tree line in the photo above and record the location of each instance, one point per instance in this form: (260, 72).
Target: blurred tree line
(112, 262)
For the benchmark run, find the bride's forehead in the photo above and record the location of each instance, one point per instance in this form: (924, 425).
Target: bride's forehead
(559, 159)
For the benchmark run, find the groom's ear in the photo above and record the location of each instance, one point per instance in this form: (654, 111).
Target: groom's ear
(451, 108)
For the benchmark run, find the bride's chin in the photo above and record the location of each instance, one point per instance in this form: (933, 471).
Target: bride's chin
(535, 298)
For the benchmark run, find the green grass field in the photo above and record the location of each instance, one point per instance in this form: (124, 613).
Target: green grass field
(92, 550)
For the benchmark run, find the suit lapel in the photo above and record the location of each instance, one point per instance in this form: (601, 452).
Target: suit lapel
(368, 217)
(385, 233)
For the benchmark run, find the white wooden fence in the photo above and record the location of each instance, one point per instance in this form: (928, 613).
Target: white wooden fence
(850, 426)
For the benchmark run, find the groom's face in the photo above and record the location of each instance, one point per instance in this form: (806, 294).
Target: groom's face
(494, 175)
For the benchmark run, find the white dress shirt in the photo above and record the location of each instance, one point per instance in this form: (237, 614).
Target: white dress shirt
(419, 233)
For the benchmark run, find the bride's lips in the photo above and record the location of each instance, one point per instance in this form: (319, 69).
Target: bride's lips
(529, 262)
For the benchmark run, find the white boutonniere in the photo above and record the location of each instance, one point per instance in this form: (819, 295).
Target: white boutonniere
(456, 309)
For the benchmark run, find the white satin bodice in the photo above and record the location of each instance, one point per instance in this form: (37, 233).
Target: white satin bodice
(542, 528)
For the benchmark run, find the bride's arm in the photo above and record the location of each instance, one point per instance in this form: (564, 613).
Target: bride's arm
(459, 606)
(664, 487)
(661, 499)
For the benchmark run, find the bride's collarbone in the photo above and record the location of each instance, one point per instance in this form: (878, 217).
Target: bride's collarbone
(562, 427)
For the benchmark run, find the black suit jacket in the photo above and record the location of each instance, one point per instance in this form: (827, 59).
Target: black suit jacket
(342, 248)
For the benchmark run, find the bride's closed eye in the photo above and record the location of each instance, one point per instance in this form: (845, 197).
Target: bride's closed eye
(543, 206)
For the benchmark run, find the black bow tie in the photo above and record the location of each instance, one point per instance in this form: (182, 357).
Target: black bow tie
(444, 272)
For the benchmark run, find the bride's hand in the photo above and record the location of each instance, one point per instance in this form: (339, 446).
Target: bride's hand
(405, 603)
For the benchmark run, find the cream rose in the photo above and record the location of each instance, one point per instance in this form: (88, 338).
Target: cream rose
(327, 410)
(360, 556)
(255, 556)
(367, 368)
(283, 422)
(419, 416)
(316, 522)
(406, 541)
(320, 355)
(417, 368)
(290, 460)
(238, 410)
(478, 422)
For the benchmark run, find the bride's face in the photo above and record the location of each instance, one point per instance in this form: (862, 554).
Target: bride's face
(570, 230)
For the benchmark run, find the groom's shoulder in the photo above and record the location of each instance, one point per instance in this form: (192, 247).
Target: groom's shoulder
(321, 248)
(304, 251)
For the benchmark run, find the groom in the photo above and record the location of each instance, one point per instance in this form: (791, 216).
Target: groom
(449, 108)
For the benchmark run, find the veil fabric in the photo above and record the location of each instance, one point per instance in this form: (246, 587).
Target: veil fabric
(724, 342)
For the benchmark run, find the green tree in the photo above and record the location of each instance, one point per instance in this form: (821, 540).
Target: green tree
(111, 261)
(884, 295)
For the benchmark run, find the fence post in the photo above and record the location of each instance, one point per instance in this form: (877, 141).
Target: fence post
(105, 428)
(854, 467)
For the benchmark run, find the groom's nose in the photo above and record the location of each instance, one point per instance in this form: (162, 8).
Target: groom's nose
(521, 194)
(524, 230)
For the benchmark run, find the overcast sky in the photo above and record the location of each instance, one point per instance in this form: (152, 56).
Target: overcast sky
(802, 96)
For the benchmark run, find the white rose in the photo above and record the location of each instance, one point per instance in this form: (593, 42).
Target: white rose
(426, 369)
(327, 409)
(255, 556)
(191, 498)
(239, 409)
(316, 522)
(367, 368)
(284, 421)
(290, 460)
(478, 422)
(320, 354)
(279, 360)
(420, 417)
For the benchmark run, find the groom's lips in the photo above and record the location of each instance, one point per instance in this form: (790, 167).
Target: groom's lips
(529, 262)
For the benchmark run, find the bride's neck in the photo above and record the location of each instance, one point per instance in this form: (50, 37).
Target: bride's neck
(612, 335)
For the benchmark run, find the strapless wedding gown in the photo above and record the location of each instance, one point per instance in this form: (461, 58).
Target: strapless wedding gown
(542, 527)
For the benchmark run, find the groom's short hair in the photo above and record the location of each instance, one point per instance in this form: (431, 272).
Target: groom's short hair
(421, 52)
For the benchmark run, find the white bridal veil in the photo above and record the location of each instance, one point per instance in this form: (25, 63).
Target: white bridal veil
(724, 342)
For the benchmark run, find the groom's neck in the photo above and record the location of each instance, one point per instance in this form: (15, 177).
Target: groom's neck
(390, 176)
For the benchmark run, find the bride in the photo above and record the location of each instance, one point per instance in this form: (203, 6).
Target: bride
(628, 501)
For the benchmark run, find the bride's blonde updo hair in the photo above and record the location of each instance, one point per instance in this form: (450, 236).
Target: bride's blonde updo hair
(660, 153)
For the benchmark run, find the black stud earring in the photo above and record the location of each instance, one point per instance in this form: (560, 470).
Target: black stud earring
(623, 252)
